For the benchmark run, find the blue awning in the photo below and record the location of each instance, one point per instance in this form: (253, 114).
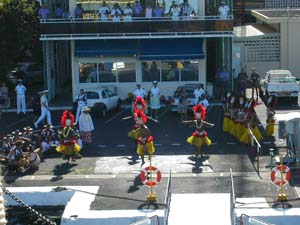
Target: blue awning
(89, 48)
(171, 49)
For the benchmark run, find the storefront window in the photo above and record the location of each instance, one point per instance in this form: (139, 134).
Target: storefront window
(151, 71)
(189, 71)
(87, 72)
(125, 71)
(170, 71)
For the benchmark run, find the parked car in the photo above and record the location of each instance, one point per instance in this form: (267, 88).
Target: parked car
(189, 90)
(280, 83)
(29, 72)
(102, 100)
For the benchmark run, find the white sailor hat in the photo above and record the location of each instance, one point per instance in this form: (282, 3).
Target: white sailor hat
(155, 82)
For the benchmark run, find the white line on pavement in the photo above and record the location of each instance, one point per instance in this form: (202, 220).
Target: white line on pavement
(176, 144)
(115, 116)
(231, 143)
(18, 121)
(161, 114)
(101, 146)
(121, 146)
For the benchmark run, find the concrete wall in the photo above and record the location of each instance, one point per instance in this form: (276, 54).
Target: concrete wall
(290, 47)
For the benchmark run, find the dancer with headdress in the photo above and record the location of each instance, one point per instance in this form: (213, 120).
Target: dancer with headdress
(252, 122)
(199, 138)
(270, 128)
(145, 141)
(68, 138)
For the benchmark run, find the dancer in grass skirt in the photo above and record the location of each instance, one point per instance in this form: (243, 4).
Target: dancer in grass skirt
(199, 137)
(68, 138)
(270, 128)
(226, 112)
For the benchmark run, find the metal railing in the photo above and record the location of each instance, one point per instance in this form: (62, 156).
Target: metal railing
(249, 220)
(168, 199)
(232, 200)
(153, 220)
(255, 151)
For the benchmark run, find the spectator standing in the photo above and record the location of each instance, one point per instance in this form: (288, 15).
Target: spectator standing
(223, 10)
(255, 80)
(203, 101)
(224, 80)
(81, 102)
(155, 99)
(104, 11)
(186, 9)
(174, 11)
(44, 12)
(197, 93)
(116, 13)
(182, 104)
(127, 11)
(148, 11)
(78, 12)
(59, 11)
(86, 125)
(242, 82)
(3, 94)
(21, 98)
(138, 92)
(45, 112)
(137, 9)
(158, 11)
(66, 13)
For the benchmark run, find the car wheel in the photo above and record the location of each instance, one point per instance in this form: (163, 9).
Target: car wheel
(103, 112)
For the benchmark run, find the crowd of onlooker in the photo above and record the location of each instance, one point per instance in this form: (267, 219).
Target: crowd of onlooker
(130, 11)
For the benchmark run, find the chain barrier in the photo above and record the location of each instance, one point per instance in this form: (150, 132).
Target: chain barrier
(28, 208)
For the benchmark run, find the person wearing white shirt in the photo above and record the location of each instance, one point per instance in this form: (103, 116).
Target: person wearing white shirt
(175, 11)
(139, 91)
(86, 125)
(44, 109)
(223, 10)
(116, 13)
(154, 99)
(21, 103)
(148, 11)
(203, 101)
(81, 102)
(104, 12)
(197, 93)
(127, 11)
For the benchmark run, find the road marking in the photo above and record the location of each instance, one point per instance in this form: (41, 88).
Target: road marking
(267, 142)
(121, 146)
(157, 144)
(175, 144)
(18, 121)
(231, 143)
(101, 146)
(161, 114)
(115, 116)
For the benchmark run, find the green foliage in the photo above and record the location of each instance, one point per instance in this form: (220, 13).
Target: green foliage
(19, 30)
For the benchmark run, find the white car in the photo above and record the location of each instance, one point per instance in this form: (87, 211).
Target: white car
(102, 100)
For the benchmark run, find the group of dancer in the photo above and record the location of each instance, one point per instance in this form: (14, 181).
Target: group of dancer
(240, 116)
(144, 139)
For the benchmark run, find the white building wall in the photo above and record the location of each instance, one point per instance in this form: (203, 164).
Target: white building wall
(290, 48)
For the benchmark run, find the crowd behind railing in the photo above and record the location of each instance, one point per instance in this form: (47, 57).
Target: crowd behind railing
(129, 12)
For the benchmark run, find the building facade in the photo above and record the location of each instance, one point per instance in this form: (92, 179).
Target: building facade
(89, 51)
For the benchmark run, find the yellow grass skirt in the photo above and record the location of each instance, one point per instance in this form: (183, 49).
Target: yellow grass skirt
(149, 148)
(134, 133)
(226, 124)
(270, 128)
(199, 141)
(68, 149)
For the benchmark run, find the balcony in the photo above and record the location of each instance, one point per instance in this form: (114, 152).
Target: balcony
(165, 27)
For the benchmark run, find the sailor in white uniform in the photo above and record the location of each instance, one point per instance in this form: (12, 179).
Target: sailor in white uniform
(154, 99)
(21, 103)
(44, 109)
(197, 93)
(81, 102)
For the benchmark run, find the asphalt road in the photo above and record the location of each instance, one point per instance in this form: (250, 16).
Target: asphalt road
(111, 160)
